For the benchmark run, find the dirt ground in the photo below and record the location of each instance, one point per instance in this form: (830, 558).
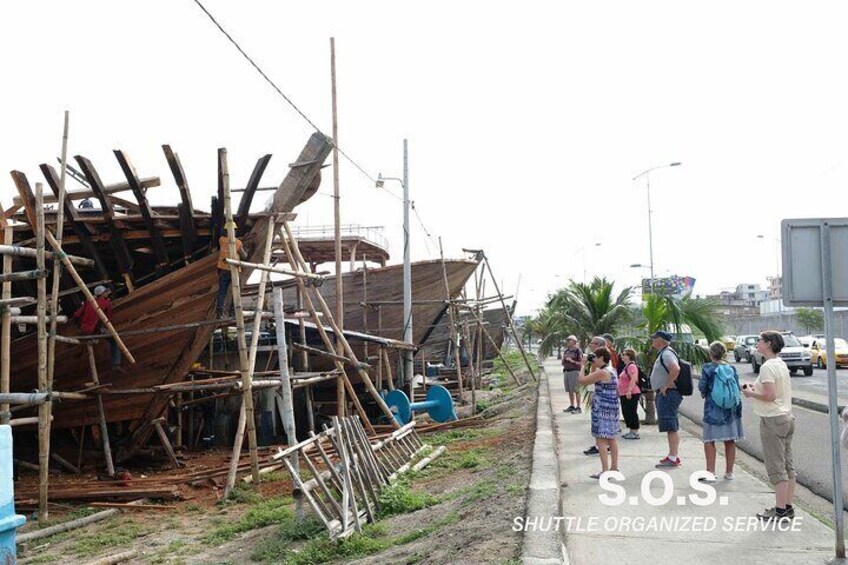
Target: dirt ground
(470, 496)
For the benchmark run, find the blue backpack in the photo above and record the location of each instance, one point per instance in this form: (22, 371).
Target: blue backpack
(725, 391)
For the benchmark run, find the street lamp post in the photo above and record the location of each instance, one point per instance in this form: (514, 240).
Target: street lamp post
(407, 267)
(583, 250)
(647, 175)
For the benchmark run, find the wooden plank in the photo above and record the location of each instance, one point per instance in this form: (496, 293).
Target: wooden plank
(249, 192)
(188, 222)
(147, 182)
(82, 230)
(144, 205)
(122, 253)
(26, 195)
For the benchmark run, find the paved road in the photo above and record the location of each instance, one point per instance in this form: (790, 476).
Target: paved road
(811, 446)
(810, 388)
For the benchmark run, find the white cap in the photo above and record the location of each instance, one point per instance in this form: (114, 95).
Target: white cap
(99, 289)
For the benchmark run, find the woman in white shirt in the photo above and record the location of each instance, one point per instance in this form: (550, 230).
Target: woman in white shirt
(772, 403)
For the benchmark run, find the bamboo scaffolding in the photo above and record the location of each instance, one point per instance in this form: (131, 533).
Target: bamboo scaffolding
(90, 297)
(5, 326)
(294, 258)
(104, 429)
(18, 251)
(452, 318)
(509, 318)
(43, 409)
(246, 414)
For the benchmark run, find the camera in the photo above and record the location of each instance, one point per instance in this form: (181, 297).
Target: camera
(590, 357)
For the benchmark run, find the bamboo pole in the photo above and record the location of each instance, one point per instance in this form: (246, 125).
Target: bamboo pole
(278, 270)
(57, 265)
(285, 382)
(297, 259)
(43, 409)
(380, 350)
(66, 526)
(18, 251)
(90, 297)
(495, 345)
(348, 350)
(340, 393)
(509, 318)
(388, 366)
(452, 319)
(104, 430)
(246, 415)
(115, 558)
(6, 328)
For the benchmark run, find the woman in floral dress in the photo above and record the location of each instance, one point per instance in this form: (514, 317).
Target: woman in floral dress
(605, 427)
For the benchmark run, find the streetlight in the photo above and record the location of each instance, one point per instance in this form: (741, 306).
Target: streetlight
(583, 249)
(407, 268)
(647, 174)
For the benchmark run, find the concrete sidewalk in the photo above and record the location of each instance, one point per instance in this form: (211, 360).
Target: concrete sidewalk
(690, 534)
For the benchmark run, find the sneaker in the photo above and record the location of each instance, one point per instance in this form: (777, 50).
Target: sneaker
(577, 410)
(666, 462)
(591, 451)
(569, 410)
(790, 511)
(728, 476)
(771, 514)
(710, 479)
(630, 435)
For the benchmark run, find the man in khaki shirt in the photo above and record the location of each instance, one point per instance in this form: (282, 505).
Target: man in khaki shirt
(772, 403)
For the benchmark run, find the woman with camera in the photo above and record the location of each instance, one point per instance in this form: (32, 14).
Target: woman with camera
(605, 426)
(772, 403)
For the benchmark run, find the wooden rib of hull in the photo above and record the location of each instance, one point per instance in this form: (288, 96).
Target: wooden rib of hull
(184, 296)
(386, 285)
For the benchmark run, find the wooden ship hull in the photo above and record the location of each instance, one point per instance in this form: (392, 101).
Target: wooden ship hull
(373, 300)
(166, 258)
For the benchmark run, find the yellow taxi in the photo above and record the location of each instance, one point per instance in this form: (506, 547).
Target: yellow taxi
(729, 342)
(818, 352)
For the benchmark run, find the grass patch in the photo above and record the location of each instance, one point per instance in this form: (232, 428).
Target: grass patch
(398, 498)
(459, 460)
(373, 539)
(242, 493)
(116, 534)
(193, 507)
(467, 434)
(274, 476)
(264, 513)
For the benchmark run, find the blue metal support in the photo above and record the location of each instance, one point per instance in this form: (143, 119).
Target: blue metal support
(9, 521)
(439, 405)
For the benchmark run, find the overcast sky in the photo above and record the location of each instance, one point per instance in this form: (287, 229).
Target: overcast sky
(526, 121)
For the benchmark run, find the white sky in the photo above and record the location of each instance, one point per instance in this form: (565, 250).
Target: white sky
(526, 121)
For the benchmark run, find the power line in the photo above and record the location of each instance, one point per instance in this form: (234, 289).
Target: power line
(280, 92)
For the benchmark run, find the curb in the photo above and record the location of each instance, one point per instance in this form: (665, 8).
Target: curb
(544, 495)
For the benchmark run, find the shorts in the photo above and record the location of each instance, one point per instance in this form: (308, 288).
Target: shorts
(570, 380)
(776, 434)
(667, 406)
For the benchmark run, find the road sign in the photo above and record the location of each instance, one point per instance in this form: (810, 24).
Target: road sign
(815, 273)
(802, 261)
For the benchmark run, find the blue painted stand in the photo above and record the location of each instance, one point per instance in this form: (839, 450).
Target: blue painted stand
(439, 405)
(9, 521)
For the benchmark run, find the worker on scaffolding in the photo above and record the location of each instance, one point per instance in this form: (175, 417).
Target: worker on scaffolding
(89, 321)
(224, 273)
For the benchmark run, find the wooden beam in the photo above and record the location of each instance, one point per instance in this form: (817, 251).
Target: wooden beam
(122, 253)
(82, 230)
(144, 206)
(26, 195)
(188, 223)
(249, 192)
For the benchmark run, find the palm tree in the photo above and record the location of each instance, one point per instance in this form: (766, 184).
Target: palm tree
(671, 314)
(587, 310)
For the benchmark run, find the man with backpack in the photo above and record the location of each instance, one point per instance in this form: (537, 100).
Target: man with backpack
(719, 387)
(668, 398)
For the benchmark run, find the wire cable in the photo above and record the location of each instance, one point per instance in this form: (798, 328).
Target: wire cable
(280, 92)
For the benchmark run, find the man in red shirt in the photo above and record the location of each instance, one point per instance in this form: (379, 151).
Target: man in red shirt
(89, 321)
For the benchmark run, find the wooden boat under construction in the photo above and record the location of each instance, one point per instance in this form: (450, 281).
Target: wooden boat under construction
(373, 299)
(162, 264)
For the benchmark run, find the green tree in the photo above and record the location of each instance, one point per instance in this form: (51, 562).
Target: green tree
(811, 320)
(587, 310)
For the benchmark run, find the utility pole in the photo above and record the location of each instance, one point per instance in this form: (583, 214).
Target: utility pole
(407, 272)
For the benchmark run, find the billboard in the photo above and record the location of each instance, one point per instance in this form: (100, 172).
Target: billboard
(674, 285)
